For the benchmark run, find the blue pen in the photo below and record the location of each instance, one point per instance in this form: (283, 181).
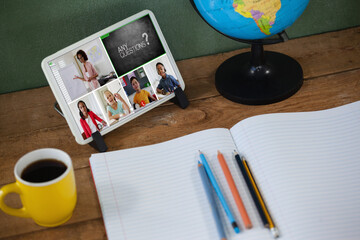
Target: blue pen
(219, 193)
(210, 196)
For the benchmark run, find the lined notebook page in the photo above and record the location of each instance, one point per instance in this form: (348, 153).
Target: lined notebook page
(155, 192)
(307, 166)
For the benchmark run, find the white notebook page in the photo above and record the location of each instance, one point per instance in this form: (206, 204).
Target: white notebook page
(155, 192)
(307, 166)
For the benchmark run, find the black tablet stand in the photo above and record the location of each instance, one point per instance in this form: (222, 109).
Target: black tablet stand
(180, 98)
(99, 144)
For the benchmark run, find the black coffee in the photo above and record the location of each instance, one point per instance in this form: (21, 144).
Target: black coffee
(43, 170)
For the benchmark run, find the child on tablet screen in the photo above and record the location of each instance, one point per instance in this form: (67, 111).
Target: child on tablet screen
(141, 96)
(117, 106)
(167, 82)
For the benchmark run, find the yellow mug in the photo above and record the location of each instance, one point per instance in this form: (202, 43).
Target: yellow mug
(49, 202)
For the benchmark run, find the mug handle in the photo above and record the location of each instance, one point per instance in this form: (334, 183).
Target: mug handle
(5, 190)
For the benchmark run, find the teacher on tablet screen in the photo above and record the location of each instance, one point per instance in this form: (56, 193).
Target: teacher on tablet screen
(88, 70)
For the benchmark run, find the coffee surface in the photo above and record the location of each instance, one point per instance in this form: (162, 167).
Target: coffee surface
(43, 170)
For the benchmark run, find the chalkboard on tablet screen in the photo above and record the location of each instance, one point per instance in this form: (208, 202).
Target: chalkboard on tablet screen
(133, 45)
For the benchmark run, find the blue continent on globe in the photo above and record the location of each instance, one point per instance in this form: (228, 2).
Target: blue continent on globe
(250, 19)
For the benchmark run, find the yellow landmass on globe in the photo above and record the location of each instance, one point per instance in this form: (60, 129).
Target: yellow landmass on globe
(262, 11)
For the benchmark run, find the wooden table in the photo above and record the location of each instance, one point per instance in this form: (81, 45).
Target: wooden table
(331, 65)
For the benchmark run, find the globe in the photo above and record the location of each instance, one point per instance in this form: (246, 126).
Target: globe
(250, 19)
(256, 77)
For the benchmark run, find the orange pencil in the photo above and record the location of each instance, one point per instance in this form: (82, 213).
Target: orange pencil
(234, 191)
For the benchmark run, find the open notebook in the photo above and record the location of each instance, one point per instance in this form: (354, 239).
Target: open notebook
(306, 165)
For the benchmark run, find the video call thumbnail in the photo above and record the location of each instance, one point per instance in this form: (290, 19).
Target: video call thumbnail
(133, 45)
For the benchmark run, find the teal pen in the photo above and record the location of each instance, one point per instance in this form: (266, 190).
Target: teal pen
(219, 193)
(209, 194)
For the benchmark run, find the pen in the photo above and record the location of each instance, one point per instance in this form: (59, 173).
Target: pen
(234, 191)
(219, 193)
(210, 197)
(255, 193)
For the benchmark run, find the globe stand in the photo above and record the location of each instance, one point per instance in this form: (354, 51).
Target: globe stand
(258, 77)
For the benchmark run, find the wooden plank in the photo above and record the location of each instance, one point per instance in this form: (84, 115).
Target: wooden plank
(202, 114)
(87, 208)
(35, 107)
(89, 230)
(318, 55)
(28, 121)
(316, 94)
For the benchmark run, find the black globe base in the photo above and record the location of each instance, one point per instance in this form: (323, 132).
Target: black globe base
(258, 77)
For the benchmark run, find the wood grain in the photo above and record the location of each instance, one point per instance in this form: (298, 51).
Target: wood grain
(318, 55)
(28, 121)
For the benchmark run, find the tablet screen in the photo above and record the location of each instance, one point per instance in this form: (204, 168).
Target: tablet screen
(115, 75)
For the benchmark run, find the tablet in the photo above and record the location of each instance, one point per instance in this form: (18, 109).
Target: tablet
(113, 76)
